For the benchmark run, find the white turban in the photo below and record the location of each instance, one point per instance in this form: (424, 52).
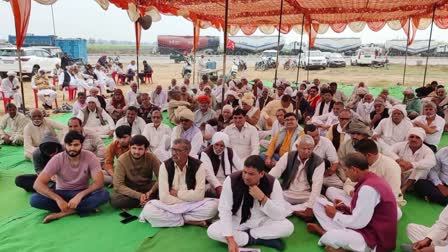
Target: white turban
(417, 131)
(184, 112)
(400, 107)
(231, 92)
(11, 73)
(93, 99)
(220, 136)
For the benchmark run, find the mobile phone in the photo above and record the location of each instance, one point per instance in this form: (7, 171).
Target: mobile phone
(125, 214)
(129, 219)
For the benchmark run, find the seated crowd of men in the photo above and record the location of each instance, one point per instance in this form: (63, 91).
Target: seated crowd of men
(345, 172)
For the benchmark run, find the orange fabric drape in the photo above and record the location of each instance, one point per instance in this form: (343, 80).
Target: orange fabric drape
(412, 30)
(442, 23)
(21, 10)
(376, 26)
(338, 28)
(312, 33)
(248, 30)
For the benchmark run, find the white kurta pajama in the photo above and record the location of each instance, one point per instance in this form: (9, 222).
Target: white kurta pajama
(340, 230)
(422, 160)
(326, 150)
(438, 232)
(32, 135)
(439, 123)
(157, 137)
(94, 123)
(327, 119)
(221, 175)
(245, 142)
(7, 88)
(391, 133)
(384, 167)
(137, 126)
(266, 222)
(300, 194)
(41, 93)
(189, 205)
(15, 127)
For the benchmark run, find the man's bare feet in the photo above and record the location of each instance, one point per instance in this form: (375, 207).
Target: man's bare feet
(306, 216)
(407, 185)
(330, 249)
(54, 216)
(315, 229)
(198, 223)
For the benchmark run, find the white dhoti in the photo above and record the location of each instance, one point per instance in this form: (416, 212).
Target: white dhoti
(163, 215)
(82, 84)
(414, 174)
(337, 236)
(47, 92)
(16, 96)
(418, 232)
(296, 200)
(102, 131)
(333, 193)
(259, 229)
(110, 84)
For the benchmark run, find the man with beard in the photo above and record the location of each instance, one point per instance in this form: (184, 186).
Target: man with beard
(115, 149)
(251, 209)
(36, 130)
(133, 181)
(132, 120)
(73, 168)
(432, 124)
(220, 161)
(395, 128)
(95, 118)
(181, 191)
(187, 130)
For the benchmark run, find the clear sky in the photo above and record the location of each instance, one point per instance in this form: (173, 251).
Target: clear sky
(86, 19)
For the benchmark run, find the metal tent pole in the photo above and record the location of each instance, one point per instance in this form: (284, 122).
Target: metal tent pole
(21, 78)
(224, 60)
(308, 60)
(300, 50)
(406, 53)
(52, 17)
(429, 44)
(278, 40)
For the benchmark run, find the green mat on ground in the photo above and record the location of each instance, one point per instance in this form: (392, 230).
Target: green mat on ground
(21, 228)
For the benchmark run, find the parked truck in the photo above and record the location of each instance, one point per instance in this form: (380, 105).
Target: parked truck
(179, 44)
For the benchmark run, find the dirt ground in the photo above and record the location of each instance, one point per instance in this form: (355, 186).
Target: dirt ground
(165, 70)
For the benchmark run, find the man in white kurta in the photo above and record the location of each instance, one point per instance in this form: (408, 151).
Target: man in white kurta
(300, 188)
(435, 237)
(131, 95)
(15, 123)
(159, 98)
(187, 130)
(10, 87)
(267, 220)
(157, 133)
(132, 120)
(243, 136)
(325, 149)
(36, 130)
(393, 129)
(181, 202)
(325, 121)
(415, 158)
(220, 161)
(383, 166)
(103, 79)
(95, 119)
(432, 123)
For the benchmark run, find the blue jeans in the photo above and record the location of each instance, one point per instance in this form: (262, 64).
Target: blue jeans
(85, 207)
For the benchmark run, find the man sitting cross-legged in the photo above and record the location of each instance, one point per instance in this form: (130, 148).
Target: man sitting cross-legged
(133, 180)
(251, 209)
(302, 174)
(181, 191)
(73, 169)
(369, 223)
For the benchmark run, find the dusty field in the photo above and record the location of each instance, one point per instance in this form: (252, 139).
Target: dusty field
(166, 69)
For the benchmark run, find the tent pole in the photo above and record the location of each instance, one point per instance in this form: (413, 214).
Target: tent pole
(52, 17)
(194, 55)
(21, 79)
(406, 53)
(308, 60)
(137, 49)
(278, 40)
(429, 44)
(300, 50)
(224, 60)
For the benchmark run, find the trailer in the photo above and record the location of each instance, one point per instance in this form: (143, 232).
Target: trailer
(178, 44)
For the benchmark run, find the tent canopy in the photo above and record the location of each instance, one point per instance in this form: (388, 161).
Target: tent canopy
(248, 15)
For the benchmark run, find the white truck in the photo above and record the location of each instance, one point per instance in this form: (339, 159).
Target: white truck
(368, 56)
(313, 60)
(32, 58)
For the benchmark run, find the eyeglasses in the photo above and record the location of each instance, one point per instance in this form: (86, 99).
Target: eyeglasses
(177, 150)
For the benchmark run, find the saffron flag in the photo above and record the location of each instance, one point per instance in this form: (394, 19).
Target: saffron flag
(230, 44)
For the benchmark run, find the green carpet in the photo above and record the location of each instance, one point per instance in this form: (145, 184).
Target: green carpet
(21, 228)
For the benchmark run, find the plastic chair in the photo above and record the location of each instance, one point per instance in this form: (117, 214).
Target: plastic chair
(5, 99)
(71, 93)
(37, 102)
(55, 80)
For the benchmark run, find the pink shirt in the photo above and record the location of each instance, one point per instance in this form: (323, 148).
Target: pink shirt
(73, 178)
